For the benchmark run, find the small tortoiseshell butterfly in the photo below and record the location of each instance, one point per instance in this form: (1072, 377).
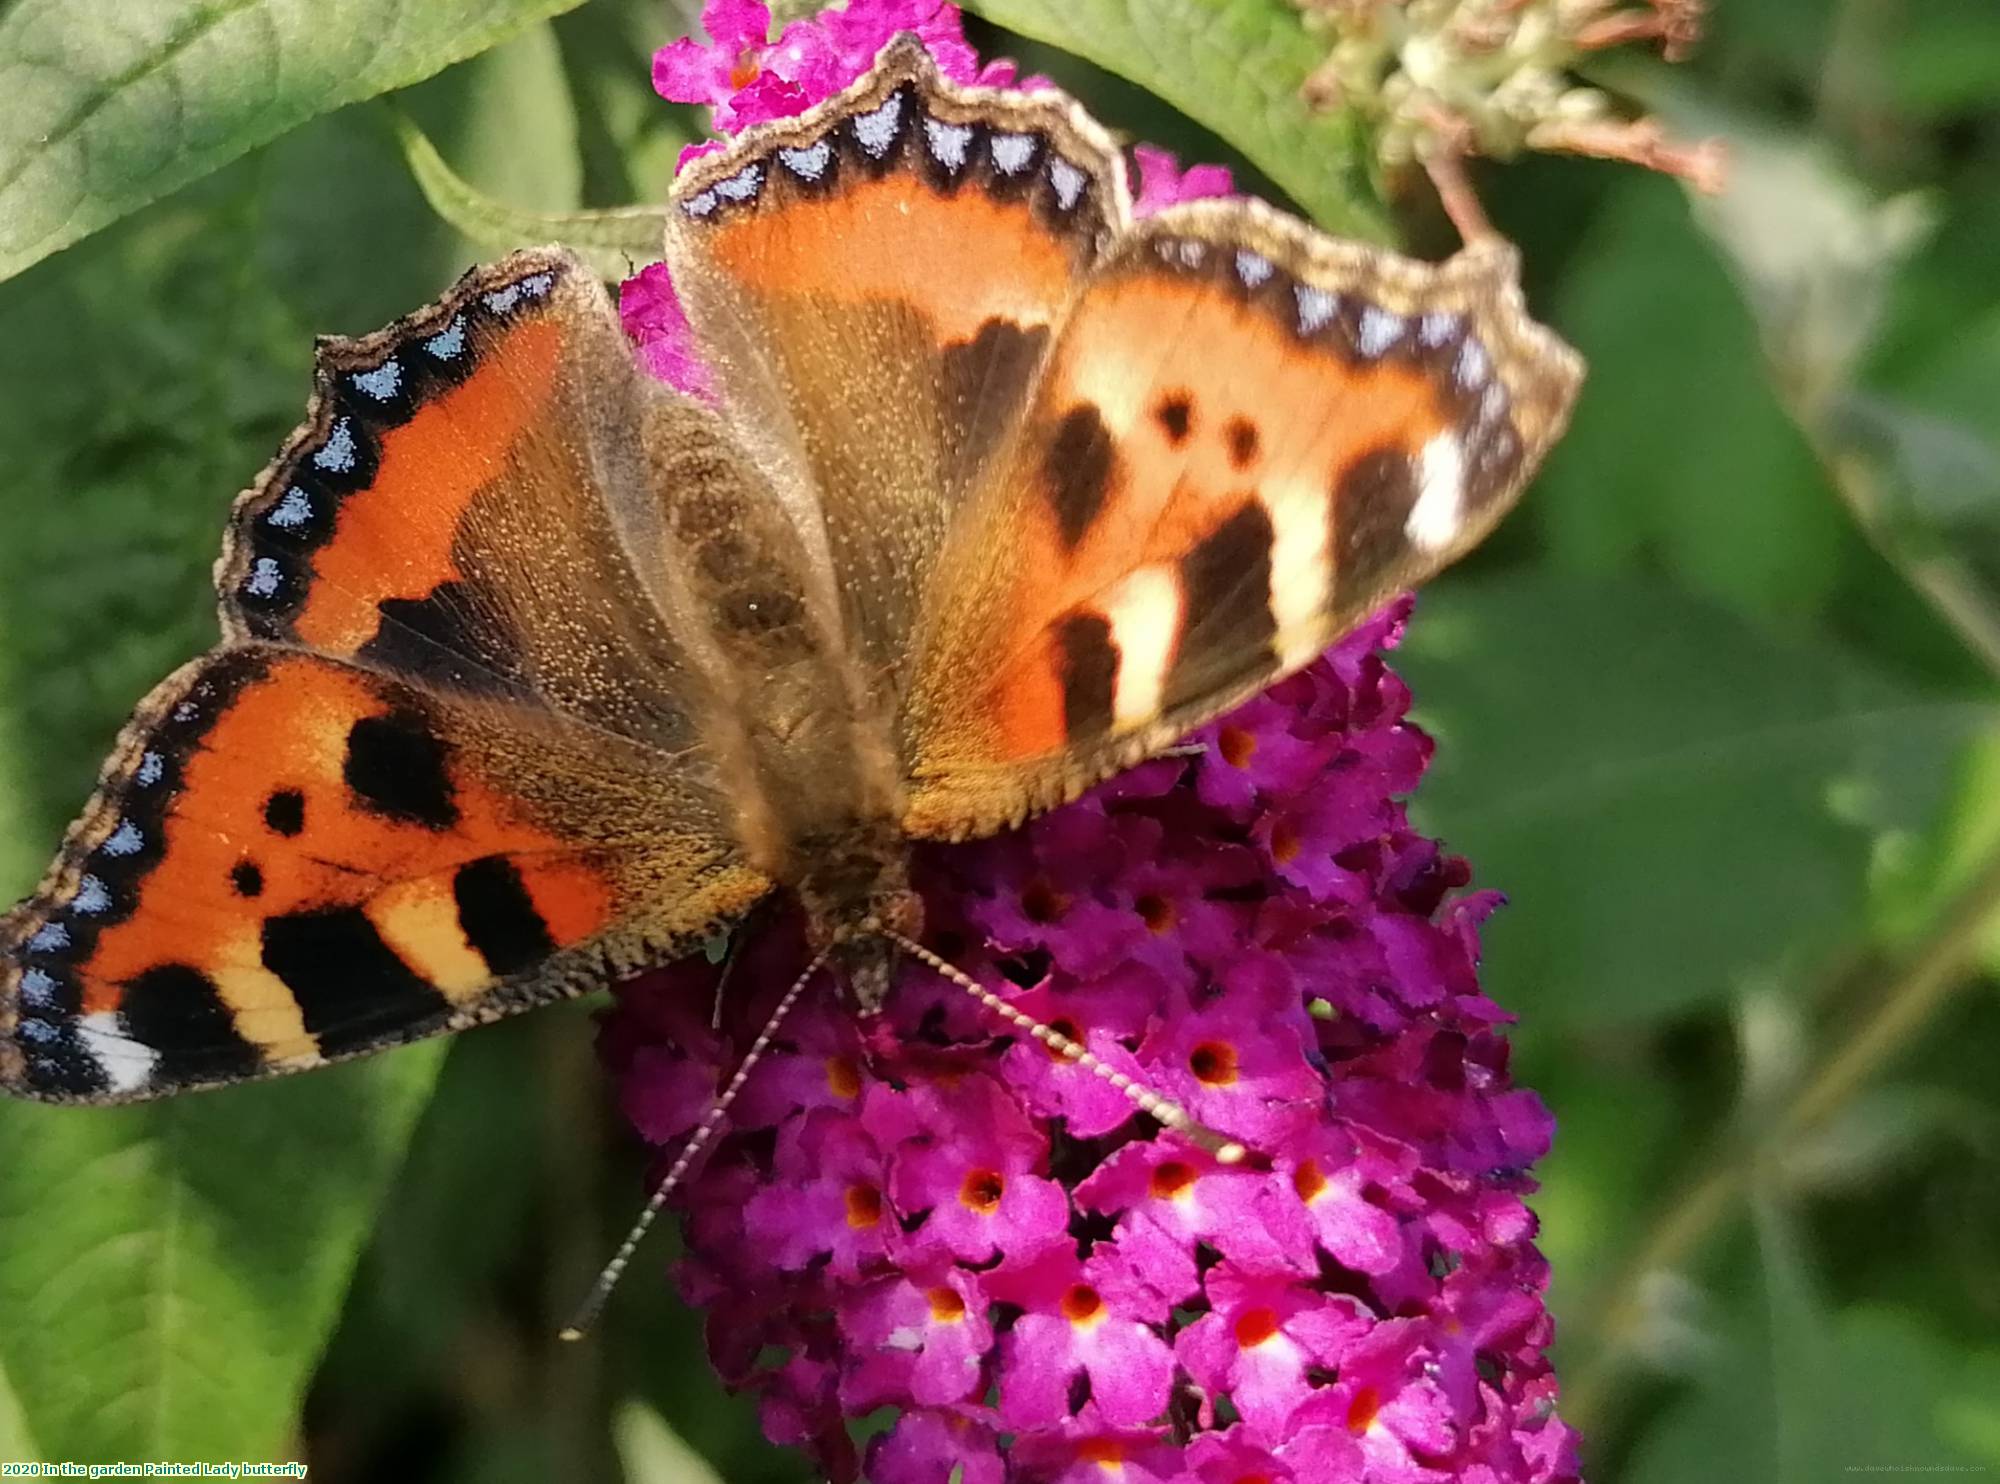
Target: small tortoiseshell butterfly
(534, 671)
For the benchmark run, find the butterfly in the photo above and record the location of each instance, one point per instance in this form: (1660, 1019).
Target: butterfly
(535, 672)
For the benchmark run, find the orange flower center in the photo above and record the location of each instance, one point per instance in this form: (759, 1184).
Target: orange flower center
(1041, 902)
(1361, 1411)
(981, 1191)
(1308, 1181)
(946, 1306)
(749, 64)
(864, 1206)
(1159, 914)
(1236, 746)
(1255, 1326)
(843, 1077)
(1081, 1305)
(1285, 844)
(1214, 1062)
(1170, 1179)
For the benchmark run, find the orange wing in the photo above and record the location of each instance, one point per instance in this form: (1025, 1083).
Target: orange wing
(877, 284)
(1247, 437)
(440, 768)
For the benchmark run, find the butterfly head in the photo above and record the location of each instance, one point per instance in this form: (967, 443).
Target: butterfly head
(856, 893)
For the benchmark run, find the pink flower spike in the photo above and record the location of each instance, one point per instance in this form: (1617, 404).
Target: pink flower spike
(928, 1213)
(658, 328)
(1162, 182)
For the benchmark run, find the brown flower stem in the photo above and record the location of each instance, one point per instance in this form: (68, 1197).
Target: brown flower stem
(1932, 969)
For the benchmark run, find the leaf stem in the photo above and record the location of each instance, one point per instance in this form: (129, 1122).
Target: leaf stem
(1930, 972)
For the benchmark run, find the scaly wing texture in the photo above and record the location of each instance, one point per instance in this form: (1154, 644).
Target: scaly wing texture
(1246, 437)
(877, 284)
(443, 765)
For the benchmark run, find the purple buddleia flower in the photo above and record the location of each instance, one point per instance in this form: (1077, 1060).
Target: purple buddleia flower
(937, 1216)
(933, 1214)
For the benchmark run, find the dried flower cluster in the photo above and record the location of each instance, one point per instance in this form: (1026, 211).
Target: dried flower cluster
(1495, 77)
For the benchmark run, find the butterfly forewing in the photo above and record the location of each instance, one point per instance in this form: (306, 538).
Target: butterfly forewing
(445, 764)
(877, 285)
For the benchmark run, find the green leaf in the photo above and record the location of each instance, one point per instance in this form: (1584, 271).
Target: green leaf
(1878, 1392)
(1671, 798)
(1236, 66)
(1919, 873)
(171, 1272)
(16, 1444)
(653, 1453)
(1680, 452)
(173, 1269)
(106, 105)
(349, 261)
(612, 241)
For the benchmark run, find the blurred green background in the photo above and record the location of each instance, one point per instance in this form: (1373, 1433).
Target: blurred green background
(1719, 709)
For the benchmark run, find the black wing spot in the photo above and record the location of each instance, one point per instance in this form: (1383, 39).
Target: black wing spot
(178, 1012)
(1077, 469)
(285, 811)
(1226, 588)
(1371, 508)
(247, 879)
(353, 991)
(396, 767)
(446, 636)
(1088, 661)
(499, 917)
(1175, 415)
(1241, 435)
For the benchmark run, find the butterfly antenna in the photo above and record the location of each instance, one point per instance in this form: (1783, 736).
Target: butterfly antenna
(1168, 1112)
(704, 1134)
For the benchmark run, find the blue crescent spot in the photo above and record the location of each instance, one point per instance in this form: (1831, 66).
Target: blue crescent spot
(337, 453)
(1316, 308)
(1252, 268)
(151, 765)
(875, 130)
(1379, 330)
(537, 284)
(39, 1031)
(949, 143)
(382, 382)
(37, 988)
(1011, 152)
(701, 205)
(265, 577)
(742, 185)
(92, 897)
(1473, 367)
(809, 163)
(449, 341)
(293, 509)
(1067, 180)
(1436, 328)
(125, 840)
(49, 937)
(502, 300)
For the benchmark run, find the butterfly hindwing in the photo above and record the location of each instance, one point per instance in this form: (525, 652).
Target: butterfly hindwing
(1248, 435)
(445, 764)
